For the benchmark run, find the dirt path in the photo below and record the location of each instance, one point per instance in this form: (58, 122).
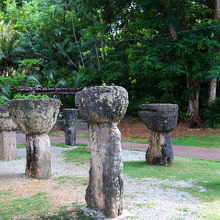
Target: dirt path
(196, 152)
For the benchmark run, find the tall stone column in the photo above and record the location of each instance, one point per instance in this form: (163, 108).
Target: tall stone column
(7, 135)
(103, 107)
(161, 119)
(70, 117)
(36, 117)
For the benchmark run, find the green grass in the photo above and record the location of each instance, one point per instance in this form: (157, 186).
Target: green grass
(149, 205)
(28, 207)
(204, 173)
(212, 141)
(59, 145)
(75, 214)
(131, 140)
(72, 180)
(36, 207)
(20, 145)
(78, 155)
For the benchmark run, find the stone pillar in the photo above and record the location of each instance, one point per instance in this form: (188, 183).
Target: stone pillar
(103, 107)
(70, 116)
(36, 117)
(161, 119)
(7, 135)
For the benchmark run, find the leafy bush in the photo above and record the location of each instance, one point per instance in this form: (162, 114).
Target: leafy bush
(31, 96)
(9, 84)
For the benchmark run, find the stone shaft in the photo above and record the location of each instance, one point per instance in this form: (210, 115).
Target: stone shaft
(70, 135)
(70, 116)
(105, 189)
(38, 164)
(7, 145)
(160, 151)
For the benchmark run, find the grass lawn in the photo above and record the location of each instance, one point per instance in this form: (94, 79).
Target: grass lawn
(36, 207)
(203, 173)
(78, 155)
(212, 141)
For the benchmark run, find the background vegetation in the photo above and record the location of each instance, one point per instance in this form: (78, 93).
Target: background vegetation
(159, 50)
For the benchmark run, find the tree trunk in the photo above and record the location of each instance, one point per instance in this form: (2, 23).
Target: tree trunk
(194, 119)
(212, 91)
(213, 82)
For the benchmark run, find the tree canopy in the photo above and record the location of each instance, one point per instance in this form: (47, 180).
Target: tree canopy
(159, 50)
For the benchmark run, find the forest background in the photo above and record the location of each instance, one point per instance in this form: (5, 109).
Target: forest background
(164, 51)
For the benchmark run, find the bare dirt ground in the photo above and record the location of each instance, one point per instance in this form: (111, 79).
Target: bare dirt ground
(134, 127)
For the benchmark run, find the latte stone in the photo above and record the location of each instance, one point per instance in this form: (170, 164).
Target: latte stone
(7, 135)
(35, 117)
(70, 117)
(161, 119)
(103, 107)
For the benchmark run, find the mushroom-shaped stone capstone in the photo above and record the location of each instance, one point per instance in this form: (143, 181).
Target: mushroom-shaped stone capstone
(102, 107)
(36, 117)
(7, 135)
(102, 103)
(160, 119)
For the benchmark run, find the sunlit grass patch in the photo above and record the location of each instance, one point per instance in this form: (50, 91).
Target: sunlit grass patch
(212, 141)
(20, 145)
(26, 207)
(78, 155)
(72, 180)
(74, 214)
(204, 175)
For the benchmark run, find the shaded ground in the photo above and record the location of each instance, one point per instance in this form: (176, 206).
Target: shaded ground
(134, 127)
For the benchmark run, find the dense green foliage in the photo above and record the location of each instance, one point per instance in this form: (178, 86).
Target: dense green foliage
(31, 96)
(160, 51)
(9, 84)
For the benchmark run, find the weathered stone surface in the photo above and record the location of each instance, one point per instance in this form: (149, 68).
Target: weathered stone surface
(103, 107)
(160, 151)
(38, 163)
(105, 189)
(8, 145)
(6, 123)
(159, 117)
(70, 135)
(70, 116)
(34, 116)
(102, 103)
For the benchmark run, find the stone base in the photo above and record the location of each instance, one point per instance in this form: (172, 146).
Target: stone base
(160, 151)
(99, 216)
(38, 163)
(8, 145)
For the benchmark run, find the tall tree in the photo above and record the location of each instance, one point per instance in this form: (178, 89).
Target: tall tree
(213, 82)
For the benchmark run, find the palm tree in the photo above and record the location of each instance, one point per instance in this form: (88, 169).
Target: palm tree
(8, 48)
